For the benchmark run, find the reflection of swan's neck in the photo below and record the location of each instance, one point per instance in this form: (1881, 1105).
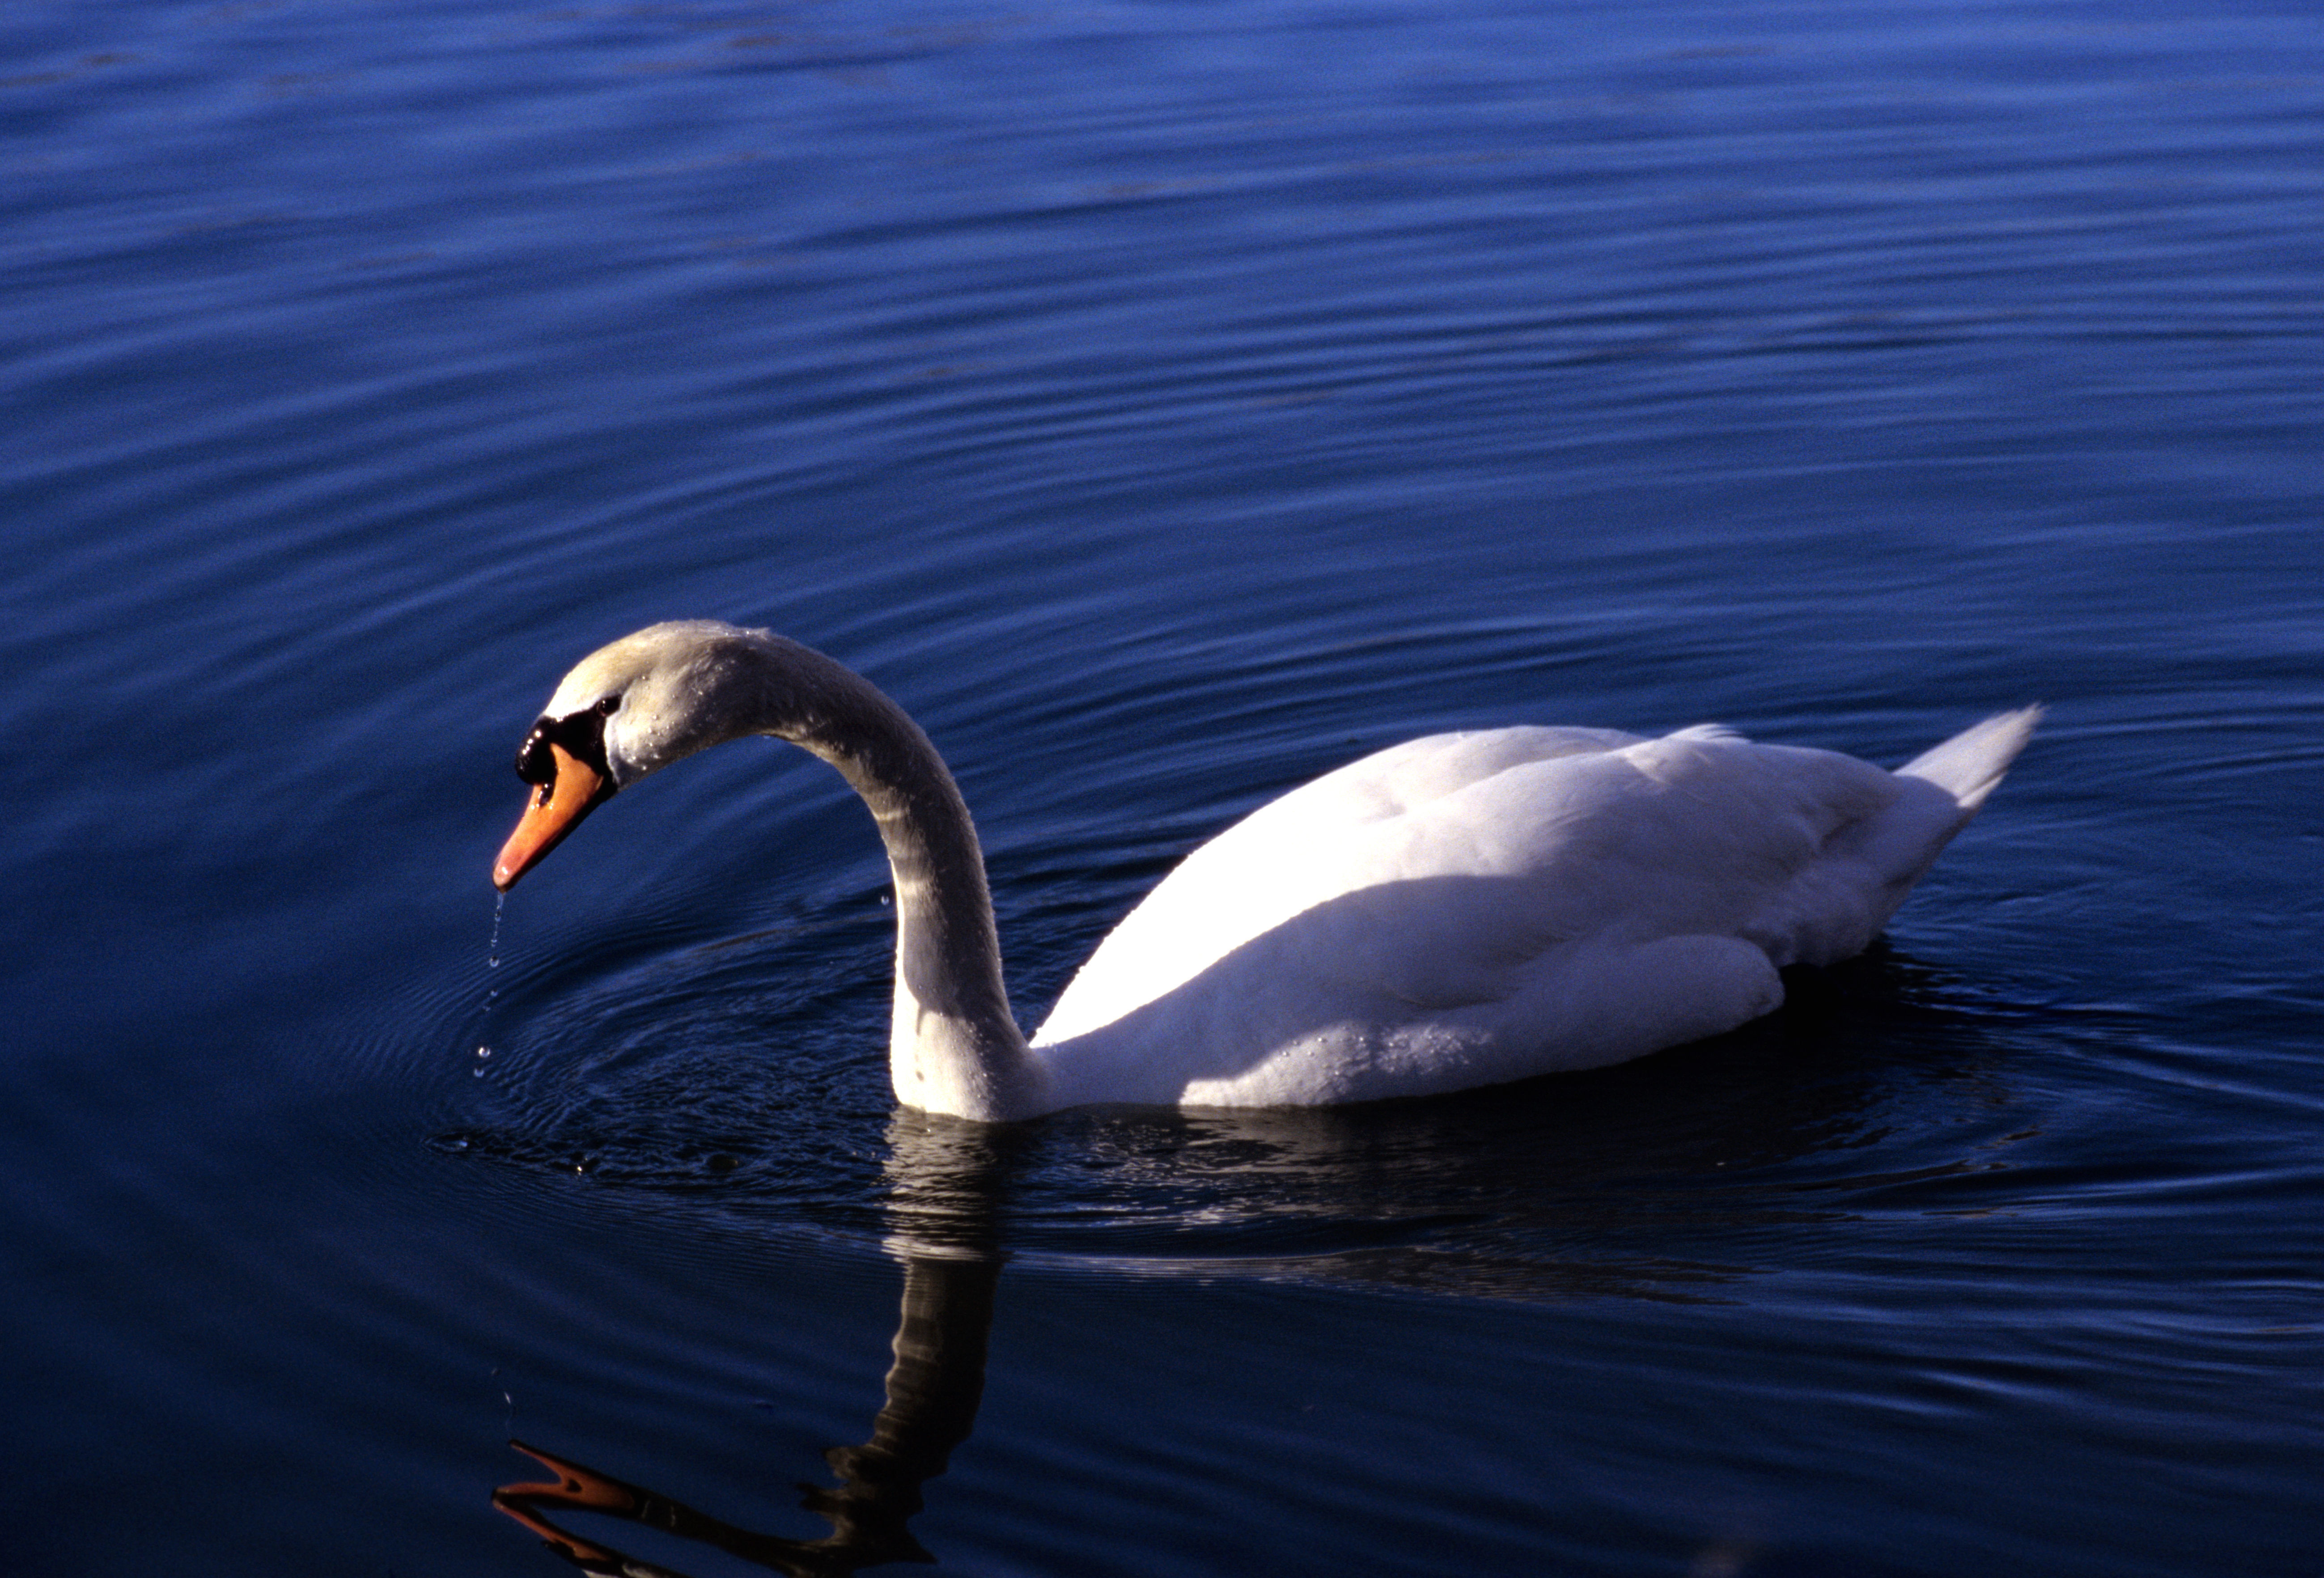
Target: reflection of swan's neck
(944, 1177)
(953, 1046)
(933, 1390)
(932, 1396)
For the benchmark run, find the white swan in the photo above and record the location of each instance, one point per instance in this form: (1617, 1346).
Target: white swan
(1453, 911)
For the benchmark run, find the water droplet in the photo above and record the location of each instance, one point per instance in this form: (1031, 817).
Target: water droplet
(492, 962)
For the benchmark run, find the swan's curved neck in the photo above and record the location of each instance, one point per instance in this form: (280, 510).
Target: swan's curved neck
(953, 1046)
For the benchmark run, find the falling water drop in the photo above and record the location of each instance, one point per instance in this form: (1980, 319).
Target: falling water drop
(492, 962)
(492, 948)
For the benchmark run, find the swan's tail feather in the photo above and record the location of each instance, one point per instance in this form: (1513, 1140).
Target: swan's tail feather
(1971, 762)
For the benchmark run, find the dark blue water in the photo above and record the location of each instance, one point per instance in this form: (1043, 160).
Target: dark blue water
(1166, 402)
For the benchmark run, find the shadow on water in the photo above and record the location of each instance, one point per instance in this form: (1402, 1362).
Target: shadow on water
(1652, 1180)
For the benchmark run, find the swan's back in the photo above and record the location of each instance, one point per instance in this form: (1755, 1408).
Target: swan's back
(1469, 908)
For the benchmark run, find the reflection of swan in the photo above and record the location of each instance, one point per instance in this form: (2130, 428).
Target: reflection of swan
(933, 1391)
(942, 1177)
(1451, 912)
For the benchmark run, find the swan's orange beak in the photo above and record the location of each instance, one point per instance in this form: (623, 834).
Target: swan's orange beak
(557, 809)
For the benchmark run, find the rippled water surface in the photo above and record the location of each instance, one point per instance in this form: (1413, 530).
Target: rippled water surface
(1166, 402)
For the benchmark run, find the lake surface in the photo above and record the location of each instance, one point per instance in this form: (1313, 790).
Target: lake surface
(1167, 402)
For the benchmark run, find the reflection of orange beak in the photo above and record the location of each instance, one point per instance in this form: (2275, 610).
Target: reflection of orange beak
(574, 1486)
(556, 809)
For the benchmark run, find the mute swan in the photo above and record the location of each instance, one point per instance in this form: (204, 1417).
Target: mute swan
(1453, 911)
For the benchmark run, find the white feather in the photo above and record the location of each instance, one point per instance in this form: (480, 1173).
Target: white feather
(1467, 909)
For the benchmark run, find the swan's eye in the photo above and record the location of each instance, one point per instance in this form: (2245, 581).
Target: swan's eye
(582, 734)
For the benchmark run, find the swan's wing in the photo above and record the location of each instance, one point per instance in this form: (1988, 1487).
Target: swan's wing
(1483, 892)
(1468, 908)
(1362, 825)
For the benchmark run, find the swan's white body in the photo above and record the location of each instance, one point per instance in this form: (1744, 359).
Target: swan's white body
(1454, 912)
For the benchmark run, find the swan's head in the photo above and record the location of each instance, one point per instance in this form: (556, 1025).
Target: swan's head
(626, 710)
